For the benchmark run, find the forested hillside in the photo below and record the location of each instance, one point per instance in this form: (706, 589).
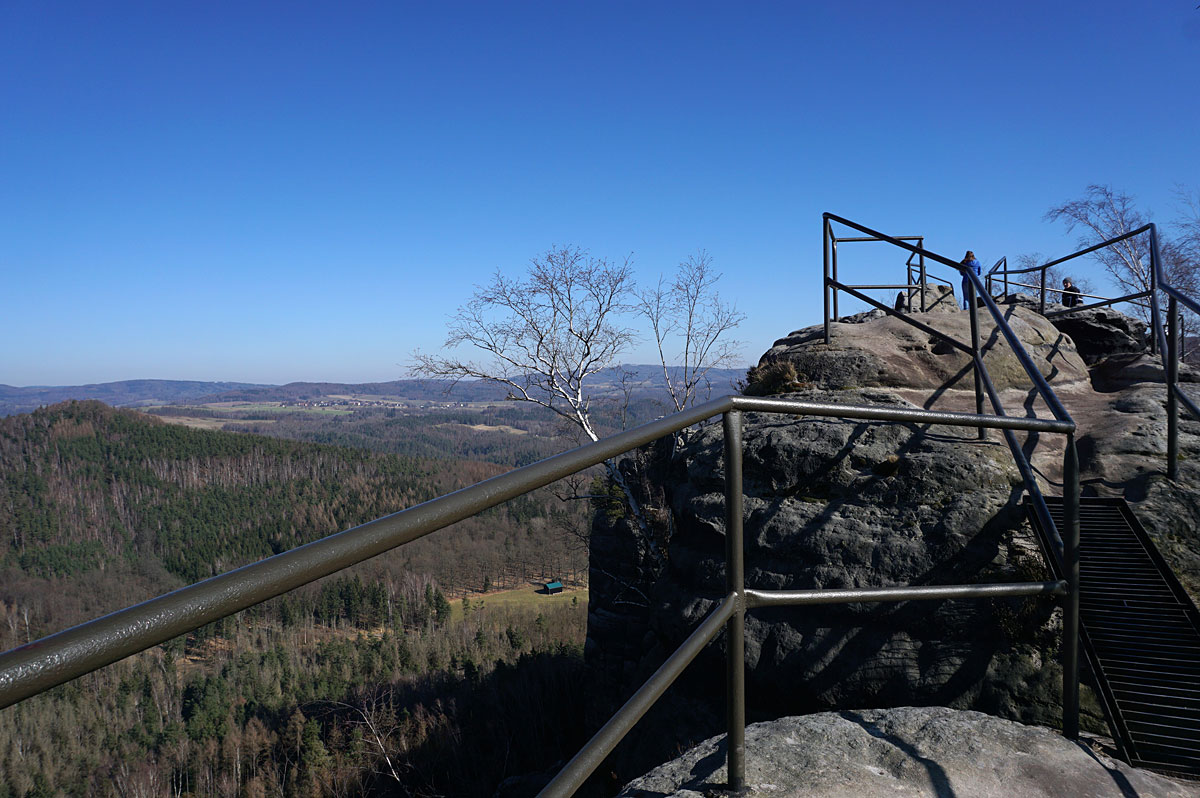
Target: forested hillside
(370, 677)
(126, 393)
(93, 495)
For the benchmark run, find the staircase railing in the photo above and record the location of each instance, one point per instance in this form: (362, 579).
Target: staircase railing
(983, 380)
(1164, 337)
(53, 660)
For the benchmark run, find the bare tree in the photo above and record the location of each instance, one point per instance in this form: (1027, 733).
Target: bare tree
(688, 318)
(1054, 278)
(1102, 214)
(542, 337)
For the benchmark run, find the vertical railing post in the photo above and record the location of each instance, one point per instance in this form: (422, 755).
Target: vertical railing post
(1173, 347)
(1006, 276)
(735, 628)
(921, 244)
(833, 244)
(1155, 316)
(1070, 537)
(1042, 299)
(974, 310)
(827, 287)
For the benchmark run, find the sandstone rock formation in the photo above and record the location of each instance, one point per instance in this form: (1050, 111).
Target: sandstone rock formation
(837, 504)
(906, 752)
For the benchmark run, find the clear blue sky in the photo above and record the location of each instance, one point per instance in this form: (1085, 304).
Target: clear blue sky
(269, 192)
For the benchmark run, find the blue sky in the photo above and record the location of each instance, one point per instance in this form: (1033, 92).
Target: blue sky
(269, 192)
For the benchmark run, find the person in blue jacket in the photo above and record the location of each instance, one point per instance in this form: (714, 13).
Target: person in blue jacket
(969, 262)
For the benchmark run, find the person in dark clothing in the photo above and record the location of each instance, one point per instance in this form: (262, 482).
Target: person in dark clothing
(969, 262)
(1070, 295)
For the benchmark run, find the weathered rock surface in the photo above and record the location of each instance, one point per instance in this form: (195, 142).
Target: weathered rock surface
(886, 352)
(839, 504)
(907, 752)
(1102, 332)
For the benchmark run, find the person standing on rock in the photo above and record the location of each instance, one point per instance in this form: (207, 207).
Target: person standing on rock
(1070, 295)
(969, 262)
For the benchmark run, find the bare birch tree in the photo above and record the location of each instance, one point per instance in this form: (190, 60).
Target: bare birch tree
(1054, 277)
(542, 337)
(1103, 214)
(689, 320)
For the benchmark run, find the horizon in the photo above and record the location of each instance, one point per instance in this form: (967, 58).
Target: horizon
(218, 193)
(654, 367)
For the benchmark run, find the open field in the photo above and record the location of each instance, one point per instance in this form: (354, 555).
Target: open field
(208, 422)
(526, 598)
(488, 428)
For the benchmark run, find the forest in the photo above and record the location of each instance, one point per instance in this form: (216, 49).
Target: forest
(366, 682)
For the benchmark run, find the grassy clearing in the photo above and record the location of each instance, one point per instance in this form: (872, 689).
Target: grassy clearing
(275, 407)
(526, 598)
(207, 423)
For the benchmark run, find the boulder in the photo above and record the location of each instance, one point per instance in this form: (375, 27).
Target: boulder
(1119, 371)
(885, 351)
(1100, 333)
(907, 752)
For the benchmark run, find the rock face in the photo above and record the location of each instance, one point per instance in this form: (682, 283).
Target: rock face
(843, 504)
(906, 752)
(836, 504)
(1102, 332)
(886, 352)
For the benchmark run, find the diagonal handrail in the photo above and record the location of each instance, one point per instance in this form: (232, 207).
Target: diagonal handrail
(1163, 337)
(1043, 387)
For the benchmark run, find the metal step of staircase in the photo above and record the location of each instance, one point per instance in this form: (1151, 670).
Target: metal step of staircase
(1141, 635)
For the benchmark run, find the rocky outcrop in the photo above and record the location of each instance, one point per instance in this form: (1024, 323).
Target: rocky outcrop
(888, 353)
(840, 504)
(1100, 333)
(906, 752)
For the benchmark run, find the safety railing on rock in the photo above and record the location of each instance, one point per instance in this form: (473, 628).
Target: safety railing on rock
(53, 660)
(1164, 337)
(40, 665)
(983, 380)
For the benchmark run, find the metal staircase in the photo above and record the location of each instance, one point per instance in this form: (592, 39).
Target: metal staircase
(1141, 636)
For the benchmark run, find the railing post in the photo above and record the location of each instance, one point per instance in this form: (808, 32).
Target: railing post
(1042, 300)
(825, 256)
(972, 304)
(735, 628)
(1155, 316)
(1070, 644)
(1006, 276)
(921, 244)
(1173, 348)
(833, 244)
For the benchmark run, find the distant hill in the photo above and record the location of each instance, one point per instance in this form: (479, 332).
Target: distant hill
(126, 393)
(397, 389)
(644, 380)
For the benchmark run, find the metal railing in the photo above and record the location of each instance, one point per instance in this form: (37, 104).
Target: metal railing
(909, 286)
(38, 666)
(58, 658)
(1042, 289)
(983, 380)
(1164, 338)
